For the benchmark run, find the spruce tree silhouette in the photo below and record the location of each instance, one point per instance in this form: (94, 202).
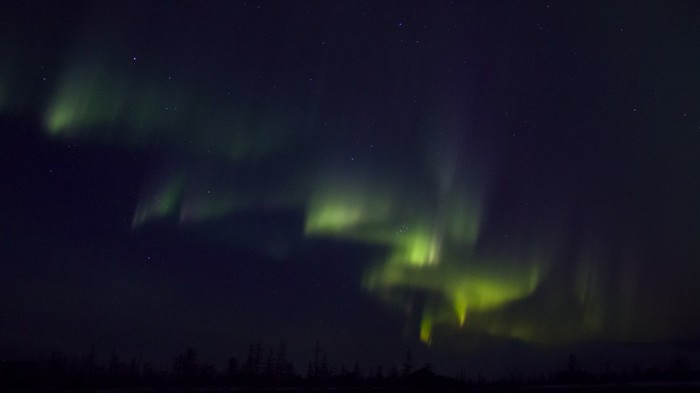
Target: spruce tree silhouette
(185, 367)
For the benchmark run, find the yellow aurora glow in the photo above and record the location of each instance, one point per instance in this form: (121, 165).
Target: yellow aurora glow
(430, 252)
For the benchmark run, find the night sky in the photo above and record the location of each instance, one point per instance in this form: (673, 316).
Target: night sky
(488, 184)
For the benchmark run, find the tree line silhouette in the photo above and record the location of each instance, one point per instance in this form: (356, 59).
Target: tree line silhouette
(261, 367)
(271, 368)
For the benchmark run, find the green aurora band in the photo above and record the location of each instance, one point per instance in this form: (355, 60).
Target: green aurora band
(430, 226)
(90, 102)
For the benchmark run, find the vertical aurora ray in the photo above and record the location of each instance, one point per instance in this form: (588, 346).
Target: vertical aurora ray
(161, 201)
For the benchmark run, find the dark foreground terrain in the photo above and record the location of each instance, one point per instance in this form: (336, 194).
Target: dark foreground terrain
(624, 388)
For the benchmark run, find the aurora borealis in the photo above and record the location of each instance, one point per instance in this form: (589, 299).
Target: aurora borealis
(446, 176)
